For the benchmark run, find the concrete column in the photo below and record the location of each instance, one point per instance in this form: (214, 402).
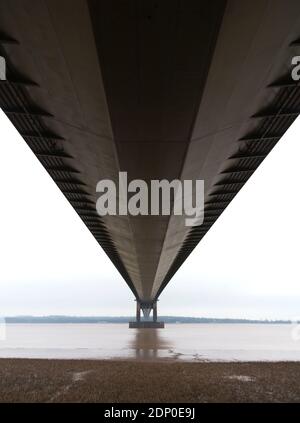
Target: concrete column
(155, 311)
(138, 311)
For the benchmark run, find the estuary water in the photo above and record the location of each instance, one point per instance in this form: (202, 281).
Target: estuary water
(182, 342)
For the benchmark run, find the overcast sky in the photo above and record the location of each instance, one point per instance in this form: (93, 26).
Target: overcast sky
(247, 266)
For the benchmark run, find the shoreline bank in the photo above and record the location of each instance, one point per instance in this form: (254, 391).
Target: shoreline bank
(46, 380)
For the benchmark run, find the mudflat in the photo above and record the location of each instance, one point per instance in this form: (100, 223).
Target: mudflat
(32, 380)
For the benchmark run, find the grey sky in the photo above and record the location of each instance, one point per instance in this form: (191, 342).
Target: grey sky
(246, 266)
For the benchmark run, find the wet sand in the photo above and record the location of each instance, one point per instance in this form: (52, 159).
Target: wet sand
(30, 380)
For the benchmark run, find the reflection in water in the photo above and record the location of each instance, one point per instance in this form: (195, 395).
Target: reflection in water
(149, 344)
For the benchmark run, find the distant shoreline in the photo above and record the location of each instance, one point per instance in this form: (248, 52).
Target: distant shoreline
(126, 319)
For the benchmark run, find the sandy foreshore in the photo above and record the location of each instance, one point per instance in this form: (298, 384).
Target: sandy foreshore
(31, 380)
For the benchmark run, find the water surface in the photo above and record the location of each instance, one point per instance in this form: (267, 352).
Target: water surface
(189, 342)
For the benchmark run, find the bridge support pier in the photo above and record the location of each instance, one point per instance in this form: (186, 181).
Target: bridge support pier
(146, 324)
(138, 311)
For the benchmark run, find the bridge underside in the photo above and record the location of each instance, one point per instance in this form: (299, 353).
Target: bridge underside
(161, 90)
